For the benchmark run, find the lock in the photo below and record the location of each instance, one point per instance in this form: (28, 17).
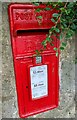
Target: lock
(38, 59)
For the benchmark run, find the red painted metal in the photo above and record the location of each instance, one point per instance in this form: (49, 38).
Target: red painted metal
(26, 37)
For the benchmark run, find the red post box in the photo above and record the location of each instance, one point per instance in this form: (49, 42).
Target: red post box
(37, 79)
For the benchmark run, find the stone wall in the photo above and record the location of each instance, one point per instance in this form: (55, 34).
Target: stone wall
(66, 107)
(0, 59)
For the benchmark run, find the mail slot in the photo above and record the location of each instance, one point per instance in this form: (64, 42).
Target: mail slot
(37, 79)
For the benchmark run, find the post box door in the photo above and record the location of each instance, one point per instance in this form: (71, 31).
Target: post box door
(28, 103)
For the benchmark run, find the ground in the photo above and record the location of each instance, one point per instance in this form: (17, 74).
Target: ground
(66, 107)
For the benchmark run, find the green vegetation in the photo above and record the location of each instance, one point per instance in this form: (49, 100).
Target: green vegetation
(65, 22)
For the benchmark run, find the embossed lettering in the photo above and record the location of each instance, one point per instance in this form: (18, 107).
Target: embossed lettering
(24, 16)
(17, 16)
(29, 15)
